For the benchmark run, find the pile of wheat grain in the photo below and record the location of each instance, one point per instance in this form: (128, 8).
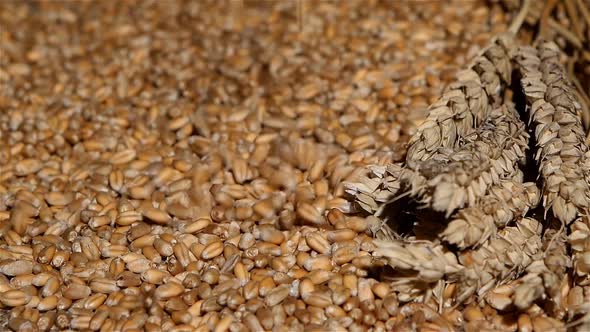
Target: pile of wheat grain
(179, 166)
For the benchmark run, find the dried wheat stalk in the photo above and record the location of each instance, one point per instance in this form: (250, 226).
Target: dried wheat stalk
(430, 261)
(563, 153)
(468, 161)
(558, 130)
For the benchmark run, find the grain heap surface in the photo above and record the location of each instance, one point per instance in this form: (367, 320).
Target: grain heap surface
(179, 166)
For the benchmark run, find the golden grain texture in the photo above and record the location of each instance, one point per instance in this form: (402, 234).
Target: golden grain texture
(179, 165)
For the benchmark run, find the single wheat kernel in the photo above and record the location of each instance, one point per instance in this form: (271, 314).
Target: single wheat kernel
(318, 243)
(14, 298)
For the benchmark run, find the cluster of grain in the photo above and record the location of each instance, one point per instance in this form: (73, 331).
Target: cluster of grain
(467, 161)
(179, 166)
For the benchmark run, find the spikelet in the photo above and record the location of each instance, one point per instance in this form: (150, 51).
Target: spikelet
(429, 260)
(545, 277)
(505, 201)
(506, 255)
(471, 227)
(376, 187)
(554, 266)
(579, 239)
